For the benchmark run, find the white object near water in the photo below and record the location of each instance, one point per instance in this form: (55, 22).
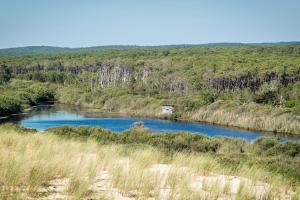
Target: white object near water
(167, 109)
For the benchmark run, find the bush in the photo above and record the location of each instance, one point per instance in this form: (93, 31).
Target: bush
(168, 141)
(21, 94)
(268, 93)
(206, 145)
(263, 144)
(5, 74)
(9, 105)
(181, 141)
(10, 126)
(291, 103)
(285, 149)
(40, 93)
(296, 110)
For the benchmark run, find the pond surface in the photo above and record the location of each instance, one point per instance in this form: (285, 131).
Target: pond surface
(46, 116)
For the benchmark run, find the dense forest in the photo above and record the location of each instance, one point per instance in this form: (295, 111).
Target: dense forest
(248, 86)
(33, 50)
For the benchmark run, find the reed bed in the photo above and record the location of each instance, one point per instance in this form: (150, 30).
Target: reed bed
(248, 116)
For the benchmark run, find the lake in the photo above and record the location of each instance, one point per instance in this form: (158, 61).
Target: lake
(45, 116)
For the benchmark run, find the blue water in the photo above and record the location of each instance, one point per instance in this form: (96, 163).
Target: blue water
(43, 117)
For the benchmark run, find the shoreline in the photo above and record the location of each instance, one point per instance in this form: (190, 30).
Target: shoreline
(183, 119)
(165, 117)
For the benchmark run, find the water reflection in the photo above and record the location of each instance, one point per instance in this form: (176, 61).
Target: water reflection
(46, 116)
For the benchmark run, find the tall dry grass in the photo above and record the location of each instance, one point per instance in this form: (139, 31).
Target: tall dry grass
(248, 116)
(29, 162)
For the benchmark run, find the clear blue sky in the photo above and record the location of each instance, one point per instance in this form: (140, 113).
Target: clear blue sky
(76, 23)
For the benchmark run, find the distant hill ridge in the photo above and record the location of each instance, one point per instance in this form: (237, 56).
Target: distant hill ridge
(34, 50)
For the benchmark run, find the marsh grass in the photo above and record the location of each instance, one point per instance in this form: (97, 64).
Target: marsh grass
(249, 116)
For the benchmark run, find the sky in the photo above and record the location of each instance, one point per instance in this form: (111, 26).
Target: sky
(83, 23)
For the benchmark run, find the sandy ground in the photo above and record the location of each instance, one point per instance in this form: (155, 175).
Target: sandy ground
(102, 187)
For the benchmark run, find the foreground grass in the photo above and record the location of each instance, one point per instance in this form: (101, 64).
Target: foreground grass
(30, 162)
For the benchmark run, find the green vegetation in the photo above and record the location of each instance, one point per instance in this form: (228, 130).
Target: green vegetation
(267, 152)
(92, 163)
(33, 50)
(18, 95)
(249, 86)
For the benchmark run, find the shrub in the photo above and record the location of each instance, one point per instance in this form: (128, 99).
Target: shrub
(16, 128)
(285, 149)
(291, 103)
(264, 144)
(5, 74)
(268, 93)
(182, 141)
(9, 105)
(40, 93)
